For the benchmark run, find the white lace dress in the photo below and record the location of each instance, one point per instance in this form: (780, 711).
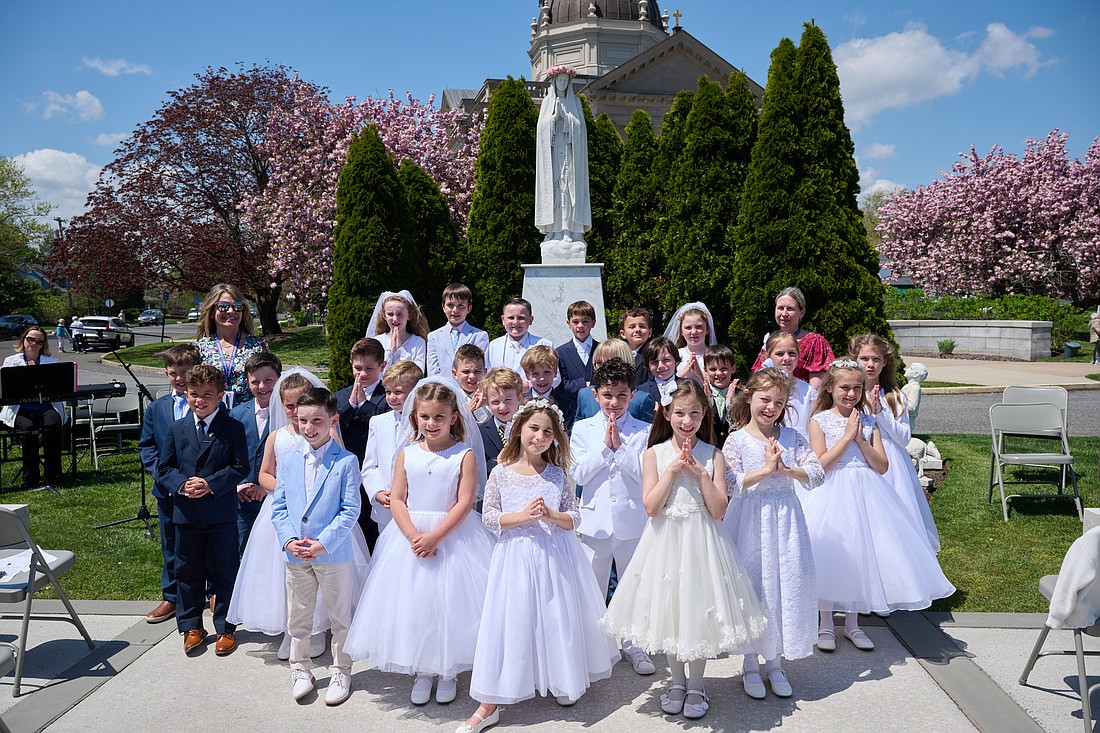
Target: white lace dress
(896, 434)
(868, 554)
(540, 626)
(685, 592)
(259, 593)
(769, 530)
(420, 615)
(415, 349)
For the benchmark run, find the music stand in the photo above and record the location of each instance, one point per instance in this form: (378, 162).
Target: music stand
(38, 384)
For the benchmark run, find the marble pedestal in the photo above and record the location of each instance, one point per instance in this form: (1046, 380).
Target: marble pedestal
(551, 288)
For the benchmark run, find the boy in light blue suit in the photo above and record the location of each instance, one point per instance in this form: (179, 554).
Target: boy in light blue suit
(316, 505)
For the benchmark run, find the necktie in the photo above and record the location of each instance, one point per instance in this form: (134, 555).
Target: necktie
(179, 407)
(500, 429)
(200, 430)
(454, 338)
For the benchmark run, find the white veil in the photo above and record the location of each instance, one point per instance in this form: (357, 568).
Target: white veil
(469, 424)
(672, 332)
(372, 327)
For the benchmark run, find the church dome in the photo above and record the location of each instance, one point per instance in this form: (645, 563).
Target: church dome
(565, 11)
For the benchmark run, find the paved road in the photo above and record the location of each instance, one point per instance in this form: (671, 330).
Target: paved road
(969, 413)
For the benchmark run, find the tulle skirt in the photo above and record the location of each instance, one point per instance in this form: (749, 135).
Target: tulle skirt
(903, 478)
(421, 615)
(685, 593)
(539, 629)
(868, 554)
(259, 594)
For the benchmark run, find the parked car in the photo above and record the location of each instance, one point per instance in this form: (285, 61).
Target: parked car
(12, 325)
(193, 314)
(107, 332)
(151, 317)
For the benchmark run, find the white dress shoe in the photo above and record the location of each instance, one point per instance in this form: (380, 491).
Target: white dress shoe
(446, 690)
(826, 640)
(860, 639)
(778, 681)
(339, 689)
(422, 689)
(317, 645)
(754, 685)
(303, 683)
(489, 720)
(565, 701)
(638, 659)
(284, 648)
(673, 704)
(695, 710)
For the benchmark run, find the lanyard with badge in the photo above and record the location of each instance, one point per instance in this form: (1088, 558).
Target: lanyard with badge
(229, 394)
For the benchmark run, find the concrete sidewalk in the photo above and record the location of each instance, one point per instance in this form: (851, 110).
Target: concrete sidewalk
(932, 672)
(996, 375)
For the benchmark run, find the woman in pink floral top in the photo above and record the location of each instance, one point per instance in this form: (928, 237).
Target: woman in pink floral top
(814, 353)
(225, 338)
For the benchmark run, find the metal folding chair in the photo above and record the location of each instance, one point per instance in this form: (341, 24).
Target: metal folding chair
(1057, 396)
(1016, 420)
(16, 538)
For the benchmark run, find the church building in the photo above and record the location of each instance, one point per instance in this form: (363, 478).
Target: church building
(624, 52)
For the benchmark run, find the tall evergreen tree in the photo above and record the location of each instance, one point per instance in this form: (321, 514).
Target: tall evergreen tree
(373, 247)
(762, 233)
(828, 252)
(670, 146)
(605, 152)
(502, 233)
(438, 248)
(632, 267)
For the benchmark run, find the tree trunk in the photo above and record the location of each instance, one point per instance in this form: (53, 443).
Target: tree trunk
(267, 304)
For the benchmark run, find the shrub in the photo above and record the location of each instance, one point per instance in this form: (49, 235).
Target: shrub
(946, 346)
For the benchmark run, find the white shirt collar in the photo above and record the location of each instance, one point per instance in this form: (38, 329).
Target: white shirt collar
(208, 419)
(586, 344)
(369, 389)
(318, 454)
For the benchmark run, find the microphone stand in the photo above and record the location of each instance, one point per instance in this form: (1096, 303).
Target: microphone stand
(143, 514)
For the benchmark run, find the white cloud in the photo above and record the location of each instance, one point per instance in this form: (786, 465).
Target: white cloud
(63, 179)
(882, 184)
(117, 67)
(1039, 31)
(83, 105)
(110, 139)
(906, 68)
(878, 151)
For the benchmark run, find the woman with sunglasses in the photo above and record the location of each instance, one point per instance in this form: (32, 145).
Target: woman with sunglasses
(31, 420)
(226, 338)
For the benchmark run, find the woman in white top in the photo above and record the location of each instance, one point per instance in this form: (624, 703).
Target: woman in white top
(36, 419)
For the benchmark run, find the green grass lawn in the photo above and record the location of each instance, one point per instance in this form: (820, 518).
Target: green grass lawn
(994, 564)
(303, 347)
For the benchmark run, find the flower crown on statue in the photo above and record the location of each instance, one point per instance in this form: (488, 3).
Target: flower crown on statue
(561, 69)
(540, 403)
(846, 364)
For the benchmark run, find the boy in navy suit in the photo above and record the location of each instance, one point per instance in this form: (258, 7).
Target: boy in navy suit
(204, 458)
(636, 328)
(540, 363)
(159, 416)
(316, 505)
(502, 388)
(356, 405)
(261, 370)
(575, 355)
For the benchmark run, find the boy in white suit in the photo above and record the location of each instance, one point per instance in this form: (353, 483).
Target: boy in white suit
(316, 504)
(608, 450)
(443, 342)
(383, 433)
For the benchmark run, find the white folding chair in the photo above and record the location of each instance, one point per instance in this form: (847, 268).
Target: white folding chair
(1057, 396)
(1016, 420)
(16, 538)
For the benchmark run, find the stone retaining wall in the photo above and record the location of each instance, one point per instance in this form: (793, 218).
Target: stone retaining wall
(1028, 340)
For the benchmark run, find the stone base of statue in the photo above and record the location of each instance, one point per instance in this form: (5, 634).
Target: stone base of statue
(552, 287)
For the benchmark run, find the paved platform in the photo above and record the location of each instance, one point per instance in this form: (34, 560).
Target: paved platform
(934, 672)
(996, 375)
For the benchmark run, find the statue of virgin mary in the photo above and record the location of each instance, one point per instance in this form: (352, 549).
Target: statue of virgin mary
(563, 209)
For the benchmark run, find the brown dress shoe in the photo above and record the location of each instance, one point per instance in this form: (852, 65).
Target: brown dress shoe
(163, 612)
(225, 644)
(193, 639)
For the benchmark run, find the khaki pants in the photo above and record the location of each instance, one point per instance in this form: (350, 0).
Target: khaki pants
(302, 581)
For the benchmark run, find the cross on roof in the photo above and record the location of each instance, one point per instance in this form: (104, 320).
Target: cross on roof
(677, 15)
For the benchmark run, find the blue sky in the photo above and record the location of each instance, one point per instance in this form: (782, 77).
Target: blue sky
(922, 81)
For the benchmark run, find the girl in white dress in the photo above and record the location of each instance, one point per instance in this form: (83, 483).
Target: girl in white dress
(868, 554)
(259, 594)
(766, 462)
(540, 627)
(421, 606)
(400, 327)
(692, 330)
(781, 349)
(685, 592)
(891, 411)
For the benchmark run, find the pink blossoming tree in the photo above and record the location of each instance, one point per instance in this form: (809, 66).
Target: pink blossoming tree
(308, 146)
(998, 224)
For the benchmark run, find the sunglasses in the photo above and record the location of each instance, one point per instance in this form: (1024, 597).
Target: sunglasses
(236, 307)
(33, 340)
